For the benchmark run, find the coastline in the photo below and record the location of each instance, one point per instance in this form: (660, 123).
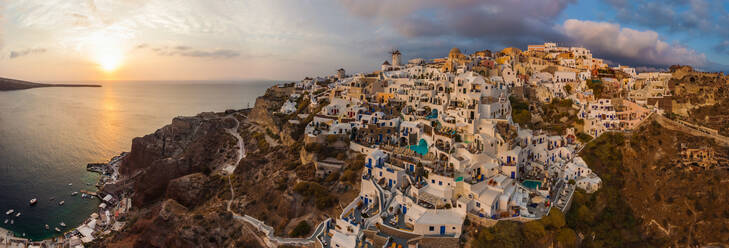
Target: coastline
(7, 84)
(109, 174)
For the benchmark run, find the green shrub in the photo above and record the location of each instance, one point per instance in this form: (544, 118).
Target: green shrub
(534, 230)
(555, 219)
(301, 229)
(322, 198)
(583, 137)
(567, 238)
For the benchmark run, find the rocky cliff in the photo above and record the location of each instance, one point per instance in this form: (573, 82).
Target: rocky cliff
(650, 199)
(187, 145)
(183, 198)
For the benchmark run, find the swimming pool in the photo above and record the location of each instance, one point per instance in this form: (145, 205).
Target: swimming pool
(532, 184)
(421, 148)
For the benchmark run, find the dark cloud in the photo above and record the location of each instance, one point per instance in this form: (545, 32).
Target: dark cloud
(26, 52)
(498, 23)
(431, 27)
(689, 16)
(630, 46)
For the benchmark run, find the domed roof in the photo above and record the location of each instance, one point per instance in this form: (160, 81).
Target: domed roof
(454, 50)
(386, 63)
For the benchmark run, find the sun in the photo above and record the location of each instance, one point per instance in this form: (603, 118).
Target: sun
(108, 57)
(106, 52)
(109, 61)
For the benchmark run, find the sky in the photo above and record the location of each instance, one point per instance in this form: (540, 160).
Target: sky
(88, 40)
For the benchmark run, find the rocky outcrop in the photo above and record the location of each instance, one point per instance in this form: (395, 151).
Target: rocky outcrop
(188, 190)
(181, 199)
(266, 105)
(188, 145)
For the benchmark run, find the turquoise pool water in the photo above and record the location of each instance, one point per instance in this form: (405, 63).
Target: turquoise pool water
(532, 184)
(421, 148)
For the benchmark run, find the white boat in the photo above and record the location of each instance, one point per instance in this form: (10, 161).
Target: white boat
(74, 193)
(63, 224)
(47, 227)
(57, 230)
(17, 215)
(70, 184)
(9, 212)
(6, 221)
(61, 203)
(12, 222)
(33, 201)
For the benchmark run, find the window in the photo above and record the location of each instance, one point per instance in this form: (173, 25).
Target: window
(432, 228)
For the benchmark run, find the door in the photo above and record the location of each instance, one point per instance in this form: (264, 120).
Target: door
(442, 230)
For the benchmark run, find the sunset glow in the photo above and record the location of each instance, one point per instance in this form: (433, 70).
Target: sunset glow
(107, 52)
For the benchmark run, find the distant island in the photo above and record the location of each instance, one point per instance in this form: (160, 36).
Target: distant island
(7, 84)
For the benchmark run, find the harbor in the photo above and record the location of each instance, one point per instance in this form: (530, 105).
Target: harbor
(102, 221)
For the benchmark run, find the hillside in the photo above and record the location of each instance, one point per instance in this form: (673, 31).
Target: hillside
(182, 198)
(650, 197)
(674, 203)
(7, 84)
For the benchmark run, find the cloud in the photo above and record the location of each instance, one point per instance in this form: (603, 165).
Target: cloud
(218, 53)
(684, 16)
(503, 22)
(187, 51)
(630, 46)
(25, 52)
(722, 47)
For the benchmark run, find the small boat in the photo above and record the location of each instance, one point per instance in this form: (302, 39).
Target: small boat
(70, 184)
(17, 215)
(6, 221)
(63, 224)
(47, 227)
(83, 195)
(57, 229)
(52, 199)
(61, 203)
(74, 193)
(33, 201)
(12, 222)
(9, 212)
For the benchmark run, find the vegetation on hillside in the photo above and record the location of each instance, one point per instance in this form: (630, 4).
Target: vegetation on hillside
(539, 233)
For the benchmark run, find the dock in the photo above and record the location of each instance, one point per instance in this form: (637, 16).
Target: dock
(101, 168)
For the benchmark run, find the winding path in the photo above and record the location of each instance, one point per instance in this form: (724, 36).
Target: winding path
(241, 149)
(268, 230)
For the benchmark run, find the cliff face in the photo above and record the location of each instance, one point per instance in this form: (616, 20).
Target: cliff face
(182, 199)
(188, 145)
(650, 199)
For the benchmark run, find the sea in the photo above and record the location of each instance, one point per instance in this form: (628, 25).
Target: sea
(48, 135)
